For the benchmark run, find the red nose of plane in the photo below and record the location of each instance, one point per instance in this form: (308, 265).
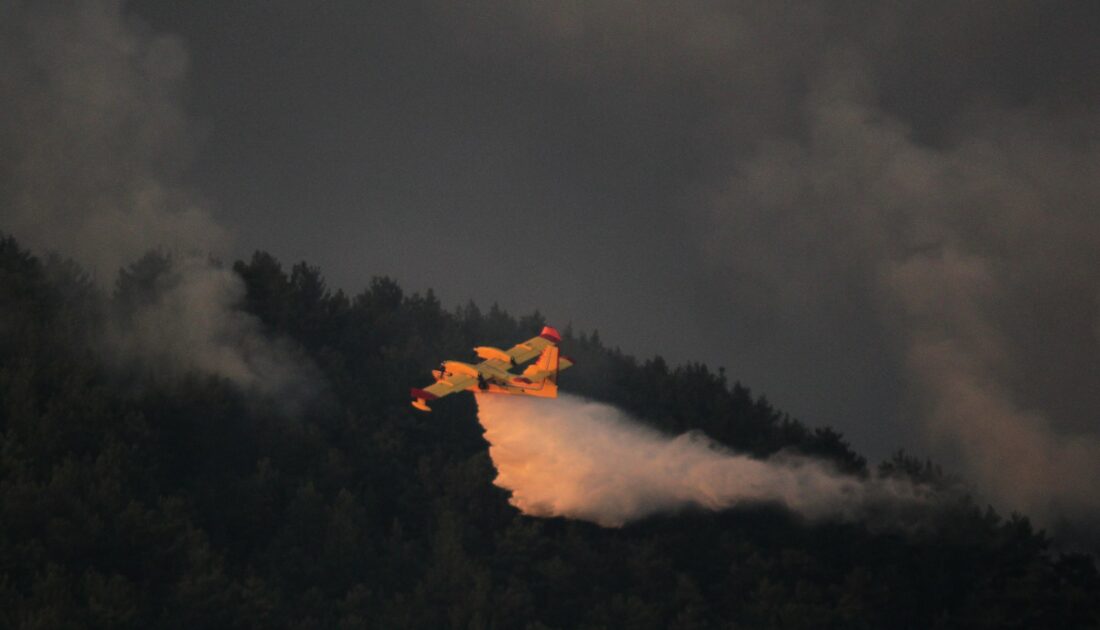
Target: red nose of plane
(550, 334)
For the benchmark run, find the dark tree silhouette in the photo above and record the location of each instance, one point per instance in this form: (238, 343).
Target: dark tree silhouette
(129, 499)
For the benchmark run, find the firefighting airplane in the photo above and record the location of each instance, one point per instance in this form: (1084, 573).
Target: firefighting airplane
(492, 375)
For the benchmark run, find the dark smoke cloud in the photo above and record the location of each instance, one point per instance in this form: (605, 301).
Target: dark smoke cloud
(973, 257)
(95, 139)
(95, 136)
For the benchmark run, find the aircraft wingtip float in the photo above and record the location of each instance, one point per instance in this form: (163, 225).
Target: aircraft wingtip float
(493, 374)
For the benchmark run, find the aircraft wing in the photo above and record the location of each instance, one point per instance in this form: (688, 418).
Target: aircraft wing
(533, 347)
(454, 383)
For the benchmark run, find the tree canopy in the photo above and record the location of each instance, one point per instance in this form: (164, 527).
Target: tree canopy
(133, 497)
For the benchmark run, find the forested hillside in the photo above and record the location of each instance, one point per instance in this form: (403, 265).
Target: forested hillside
(137, 496)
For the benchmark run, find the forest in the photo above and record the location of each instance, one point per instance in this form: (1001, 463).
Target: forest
(138, 494)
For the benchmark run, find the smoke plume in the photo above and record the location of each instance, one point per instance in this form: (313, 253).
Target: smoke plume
(585, 460)
(95, 141)
(978, 260)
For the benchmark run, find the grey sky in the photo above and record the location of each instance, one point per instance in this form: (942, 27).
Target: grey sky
(561, 155)
(883, 215)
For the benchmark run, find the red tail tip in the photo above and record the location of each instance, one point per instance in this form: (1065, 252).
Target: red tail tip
(419, 393)
(551, 334)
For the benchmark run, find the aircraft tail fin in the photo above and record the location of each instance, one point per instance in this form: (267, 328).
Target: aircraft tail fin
(421, 398)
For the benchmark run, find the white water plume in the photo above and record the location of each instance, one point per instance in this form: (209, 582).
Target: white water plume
(580, 459)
